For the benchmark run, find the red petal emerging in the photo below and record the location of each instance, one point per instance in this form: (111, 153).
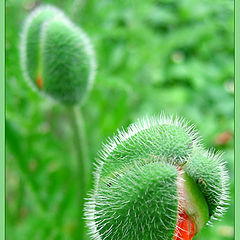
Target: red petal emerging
(185, 229)
(39, 82)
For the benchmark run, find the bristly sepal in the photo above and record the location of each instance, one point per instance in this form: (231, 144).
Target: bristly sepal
(208, 170)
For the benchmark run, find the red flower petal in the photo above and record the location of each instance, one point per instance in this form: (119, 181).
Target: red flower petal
(185, 229)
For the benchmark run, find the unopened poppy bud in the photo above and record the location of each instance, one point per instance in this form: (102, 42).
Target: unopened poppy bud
(155, 181)
(56, 56)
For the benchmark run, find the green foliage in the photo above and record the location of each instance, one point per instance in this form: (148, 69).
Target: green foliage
(171, 56)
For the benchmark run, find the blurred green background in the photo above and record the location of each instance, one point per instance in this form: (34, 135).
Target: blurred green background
(174, 56)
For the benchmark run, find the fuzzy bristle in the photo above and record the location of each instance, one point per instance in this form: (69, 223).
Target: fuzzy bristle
(138, 137)
(131, 168)
(141, 204)
(208, 170)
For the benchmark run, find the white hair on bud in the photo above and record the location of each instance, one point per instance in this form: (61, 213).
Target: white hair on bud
(88, 47)
(121, 136)
(60, 17)
(23, 40)
(224, 196)
(141, 125)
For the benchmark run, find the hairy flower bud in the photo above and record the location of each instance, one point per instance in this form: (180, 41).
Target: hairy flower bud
(155, 181)
(56, 56)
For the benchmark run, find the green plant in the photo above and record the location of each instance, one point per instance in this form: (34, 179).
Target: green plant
(57, 60)
(156, 181)
(148, 63)
(56, 56)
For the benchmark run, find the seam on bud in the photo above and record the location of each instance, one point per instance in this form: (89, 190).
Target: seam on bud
(23, 41)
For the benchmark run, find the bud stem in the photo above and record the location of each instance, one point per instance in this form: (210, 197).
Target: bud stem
(82, 163)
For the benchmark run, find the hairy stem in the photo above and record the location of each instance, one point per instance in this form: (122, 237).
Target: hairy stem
(82, 164)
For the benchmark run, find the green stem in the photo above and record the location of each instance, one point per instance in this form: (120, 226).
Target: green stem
(82, 164)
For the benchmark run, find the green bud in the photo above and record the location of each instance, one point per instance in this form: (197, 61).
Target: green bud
(56, 56)
(208, 171)
(148, 140)
(140, 203)
(148, 177)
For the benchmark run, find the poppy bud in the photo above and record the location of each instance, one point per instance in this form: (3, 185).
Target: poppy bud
(155, 181)
(56, 56)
